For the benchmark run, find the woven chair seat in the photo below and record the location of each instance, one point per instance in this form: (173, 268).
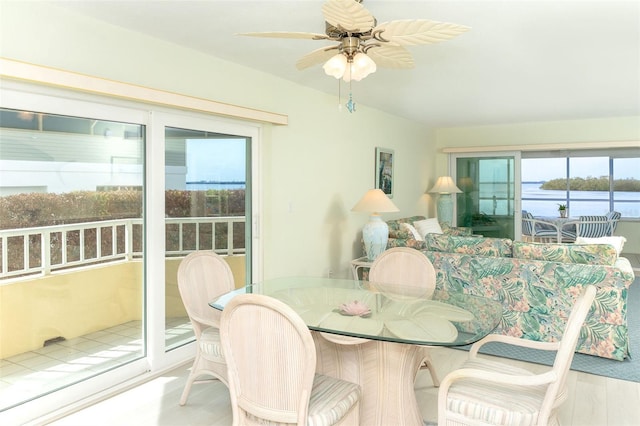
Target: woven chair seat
(210, 345)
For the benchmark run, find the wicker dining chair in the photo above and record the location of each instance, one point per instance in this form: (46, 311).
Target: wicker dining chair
(203, 276)
(271, 357)
(410, 268)
(487, 392)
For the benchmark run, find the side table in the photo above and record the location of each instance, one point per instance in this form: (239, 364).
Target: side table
(358, 264)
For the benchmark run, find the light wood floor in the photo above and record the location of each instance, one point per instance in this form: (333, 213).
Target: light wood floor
(593, 400)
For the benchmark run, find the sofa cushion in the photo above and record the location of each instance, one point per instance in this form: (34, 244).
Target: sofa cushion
(397, 230)
(494, 247)
(588, 254)
(413, 231)
(428, 226)
(616, 242)
(456, 230)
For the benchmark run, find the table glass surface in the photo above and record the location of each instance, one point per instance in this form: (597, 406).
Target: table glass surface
(395, 313)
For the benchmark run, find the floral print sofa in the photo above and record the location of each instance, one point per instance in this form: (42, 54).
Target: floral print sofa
(537, 285)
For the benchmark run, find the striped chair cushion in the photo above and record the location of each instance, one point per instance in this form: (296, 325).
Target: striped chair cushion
(527, 228)
(494, 403)
(331, 400)
(210, 345)
(594, 226)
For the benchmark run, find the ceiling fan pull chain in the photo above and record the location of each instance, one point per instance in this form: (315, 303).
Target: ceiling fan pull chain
(339, 96)
(351, 106)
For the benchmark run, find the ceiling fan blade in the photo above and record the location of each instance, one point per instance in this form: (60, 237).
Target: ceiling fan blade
(416, 31)
(348, 15)
(391, 56)
(317, 56)
(286, 34)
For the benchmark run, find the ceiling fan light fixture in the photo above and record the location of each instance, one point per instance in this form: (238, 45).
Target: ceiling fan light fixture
(336, 65)
(362, 65)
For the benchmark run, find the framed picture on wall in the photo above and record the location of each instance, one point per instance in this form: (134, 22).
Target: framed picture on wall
(384, 170)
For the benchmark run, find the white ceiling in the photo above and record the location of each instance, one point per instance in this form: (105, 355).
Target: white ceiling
(521, 61)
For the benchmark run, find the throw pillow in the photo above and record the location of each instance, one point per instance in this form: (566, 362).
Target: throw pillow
(616, 242)
(428, 226)
(413, 231)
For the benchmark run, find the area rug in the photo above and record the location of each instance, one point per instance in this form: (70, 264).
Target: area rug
(629, 369)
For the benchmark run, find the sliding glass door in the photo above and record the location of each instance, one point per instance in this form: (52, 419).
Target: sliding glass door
(206, 208)
(99, 202)
(490, 193)
(72, 190)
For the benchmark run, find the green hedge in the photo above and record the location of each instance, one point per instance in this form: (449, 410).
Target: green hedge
(37, 209)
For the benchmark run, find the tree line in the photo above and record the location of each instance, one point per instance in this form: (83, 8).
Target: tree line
(592, 184)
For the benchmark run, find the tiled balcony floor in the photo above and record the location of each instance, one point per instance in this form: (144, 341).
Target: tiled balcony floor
(31, 374)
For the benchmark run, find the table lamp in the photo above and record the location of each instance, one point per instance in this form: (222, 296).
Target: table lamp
(445, 187)
(375, 233)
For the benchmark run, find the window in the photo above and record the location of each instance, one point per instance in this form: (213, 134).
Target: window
(588, 182)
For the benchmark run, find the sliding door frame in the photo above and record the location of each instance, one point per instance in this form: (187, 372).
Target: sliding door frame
(517, 211)
(156, 360)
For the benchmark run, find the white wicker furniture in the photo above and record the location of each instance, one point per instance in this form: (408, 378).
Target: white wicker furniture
(486, 392)
(410, 268)
(272, 368)
(547, 230)
(381, 352)
(204, 276)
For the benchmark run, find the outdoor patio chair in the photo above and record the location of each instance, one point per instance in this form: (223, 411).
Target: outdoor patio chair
(535, 230)
(598, 226)
(488, 392)
(203, 276)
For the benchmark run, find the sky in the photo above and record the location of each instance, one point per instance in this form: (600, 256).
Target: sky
(216, 160)
(543, 169)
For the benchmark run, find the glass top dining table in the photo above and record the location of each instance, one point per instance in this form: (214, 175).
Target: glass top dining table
(375, 334)
(379, 311)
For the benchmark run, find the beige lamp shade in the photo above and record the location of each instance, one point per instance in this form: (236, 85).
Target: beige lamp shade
(375, 201)
(445, 185)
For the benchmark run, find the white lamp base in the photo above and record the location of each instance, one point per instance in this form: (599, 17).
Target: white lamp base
(445, 209)
(375, 235)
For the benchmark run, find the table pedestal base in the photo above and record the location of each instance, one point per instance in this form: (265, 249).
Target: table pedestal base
(386, 372)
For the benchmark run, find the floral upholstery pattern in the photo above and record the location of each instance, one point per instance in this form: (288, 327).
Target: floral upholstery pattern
(500, 247)
(399, 236)
(599, 254)
(456, 230)
(537, 297)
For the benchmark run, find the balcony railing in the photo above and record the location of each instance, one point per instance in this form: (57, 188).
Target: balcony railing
(42, 250)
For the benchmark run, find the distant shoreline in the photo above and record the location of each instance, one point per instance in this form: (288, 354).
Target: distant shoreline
(217, 182)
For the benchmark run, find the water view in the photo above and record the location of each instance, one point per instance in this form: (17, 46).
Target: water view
(541, 202)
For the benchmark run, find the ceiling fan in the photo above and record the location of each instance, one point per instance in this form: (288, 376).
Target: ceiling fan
(362, 44)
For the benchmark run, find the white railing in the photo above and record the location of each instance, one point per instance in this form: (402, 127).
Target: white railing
(49, 248)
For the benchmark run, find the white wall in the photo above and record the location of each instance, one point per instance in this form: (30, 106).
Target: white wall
(568, 133)
(314, 170)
